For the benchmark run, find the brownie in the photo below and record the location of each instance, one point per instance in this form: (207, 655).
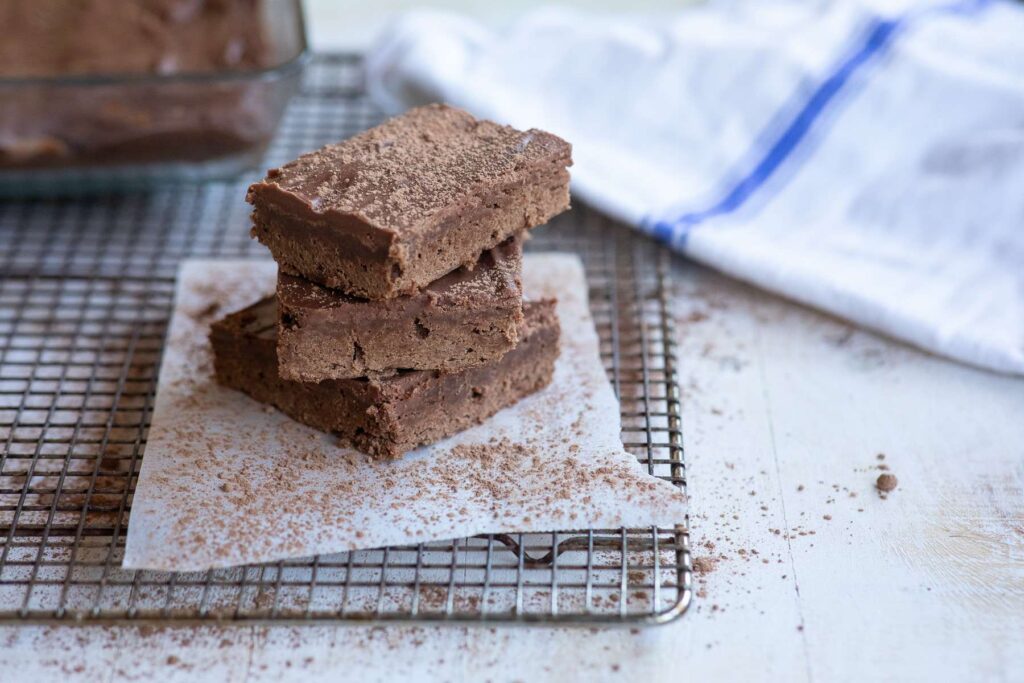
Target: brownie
(385, 416)
(392, 209)
(140, 117)
(44, 38)
(466, 318)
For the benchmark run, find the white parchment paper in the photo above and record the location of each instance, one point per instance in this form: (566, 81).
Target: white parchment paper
(228, 481)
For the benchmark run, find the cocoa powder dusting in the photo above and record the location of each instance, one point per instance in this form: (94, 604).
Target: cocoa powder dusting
(412, 167)
(704, 565)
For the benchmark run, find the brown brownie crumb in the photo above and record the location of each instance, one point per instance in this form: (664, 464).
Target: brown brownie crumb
(886, 483)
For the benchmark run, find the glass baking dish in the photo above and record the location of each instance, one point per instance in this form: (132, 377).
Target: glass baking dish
(90, 133)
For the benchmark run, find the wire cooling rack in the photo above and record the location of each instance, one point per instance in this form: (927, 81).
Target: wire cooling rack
(86, 290)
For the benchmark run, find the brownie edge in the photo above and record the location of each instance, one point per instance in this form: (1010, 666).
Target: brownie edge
(388, 416)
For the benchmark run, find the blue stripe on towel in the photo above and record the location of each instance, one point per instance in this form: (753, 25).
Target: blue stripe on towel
(878, 36)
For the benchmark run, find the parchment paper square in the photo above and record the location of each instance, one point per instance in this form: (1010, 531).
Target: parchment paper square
(228, 481)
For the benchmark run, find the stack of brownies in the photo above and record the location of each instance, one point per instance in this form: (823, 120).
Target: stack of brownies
(399, 317)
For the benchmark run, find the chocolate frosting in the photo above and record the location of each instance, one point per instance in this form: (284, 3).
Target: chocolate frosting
(466, 318)
(400, 175)
(496, 275)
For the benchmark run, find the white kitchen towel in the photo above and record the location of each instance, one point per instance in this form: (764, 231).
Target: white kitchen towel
(869, 164)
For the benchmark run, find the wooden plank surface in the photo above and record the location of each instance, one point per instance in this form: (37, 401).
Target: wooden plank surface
(927, 583)
(807, 573)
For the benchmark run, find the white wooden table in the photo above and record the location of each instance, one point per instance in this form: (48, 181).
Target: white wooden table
(814, 576)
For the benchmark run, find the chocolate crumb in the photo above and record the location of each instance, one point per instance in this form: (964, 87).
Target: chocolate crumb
(886, 483)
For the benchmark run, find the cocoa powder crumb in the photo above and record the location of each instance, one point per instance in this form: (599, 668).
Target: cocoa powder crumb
(704, 565)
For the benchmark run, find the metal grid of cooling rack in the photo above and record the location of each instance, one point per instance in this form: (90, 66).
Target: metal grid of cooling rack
(86, 289)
